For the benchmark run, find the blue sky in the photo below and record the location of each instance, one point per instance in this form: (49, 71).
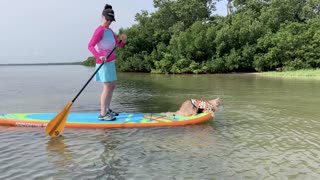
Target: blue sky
(41, 31)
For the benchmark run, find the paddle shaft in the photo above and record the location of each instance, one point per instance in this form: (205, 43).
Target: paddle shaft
(74, 99)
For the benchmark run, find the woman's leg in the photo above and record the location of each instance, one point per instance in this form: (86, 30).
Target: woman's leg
(111, 87)
(106, 96)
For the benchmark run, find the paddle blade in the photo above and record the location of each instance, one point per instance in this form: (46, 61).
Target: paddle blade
(56, 125)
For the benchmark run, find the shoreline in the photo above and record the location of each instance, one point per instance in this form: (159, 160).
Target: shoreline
(42, 64)
(305, 73)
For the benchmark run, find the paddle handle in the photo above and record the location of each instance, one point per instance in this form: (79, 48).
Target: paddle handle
(74, 99)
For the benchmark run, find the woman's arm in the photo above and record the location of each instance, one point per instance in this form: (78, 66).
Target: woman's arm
(96, 37)
(121, 44)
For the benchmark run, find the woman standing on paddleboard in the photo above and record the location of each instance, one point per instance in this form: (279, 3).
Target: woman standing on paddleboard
(105, 40)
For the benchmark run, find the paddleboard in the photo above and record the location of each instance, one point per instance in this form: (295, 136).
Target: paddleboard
(90, 120)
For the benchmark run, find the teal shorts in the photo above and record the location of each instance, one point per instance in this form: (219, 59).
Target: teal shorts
(107, 73)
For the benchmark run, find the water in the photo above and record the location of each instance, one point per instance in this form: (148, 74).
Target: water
(267, 128)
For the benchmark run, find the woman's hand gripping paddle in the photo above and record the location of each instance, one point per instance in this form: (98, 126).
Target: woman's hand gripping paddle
(57, 124)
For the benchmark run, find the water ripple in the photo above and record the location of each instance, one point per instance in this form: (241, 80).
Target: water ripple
(266, 129)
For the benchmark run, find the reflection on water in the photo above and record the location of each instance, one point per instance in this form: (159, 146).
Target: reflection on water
(267, 128)
(61, 158)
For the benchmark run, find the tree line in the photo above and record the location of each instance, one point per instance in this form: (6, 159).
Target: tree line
(185, 36)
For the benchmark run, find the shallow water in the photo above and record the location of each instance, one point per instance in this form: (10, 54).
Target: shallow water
(267, 128)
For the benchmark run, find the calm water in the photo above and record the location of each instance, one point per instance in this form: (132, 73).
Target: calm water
(267, 128)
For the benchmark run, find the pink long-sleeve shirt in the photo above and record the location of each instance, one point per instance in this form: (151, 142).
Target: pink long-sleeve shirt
(105, 40)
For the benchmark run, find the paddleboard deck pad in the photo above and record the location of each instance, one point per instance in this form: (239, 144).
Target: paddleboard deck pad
(90, 120)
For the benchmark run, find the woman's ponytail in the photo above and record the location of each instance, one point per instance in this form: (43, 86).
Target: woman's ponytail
(107, 6)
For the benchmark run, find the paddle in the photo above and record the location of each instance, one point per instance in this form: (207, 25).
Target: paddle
(56, 125)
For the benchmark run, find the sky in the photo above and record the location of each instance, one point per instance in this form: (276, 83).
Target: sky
(47, 31)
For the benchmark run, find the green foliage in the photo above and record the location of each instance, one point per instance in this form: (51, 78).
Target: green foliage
(165, 64)
(90, 61)
(216, 65)
(294, 46)
(183, 36)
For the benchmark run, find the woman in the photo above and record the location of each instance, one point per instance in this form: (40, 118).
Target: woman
(105, 40)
